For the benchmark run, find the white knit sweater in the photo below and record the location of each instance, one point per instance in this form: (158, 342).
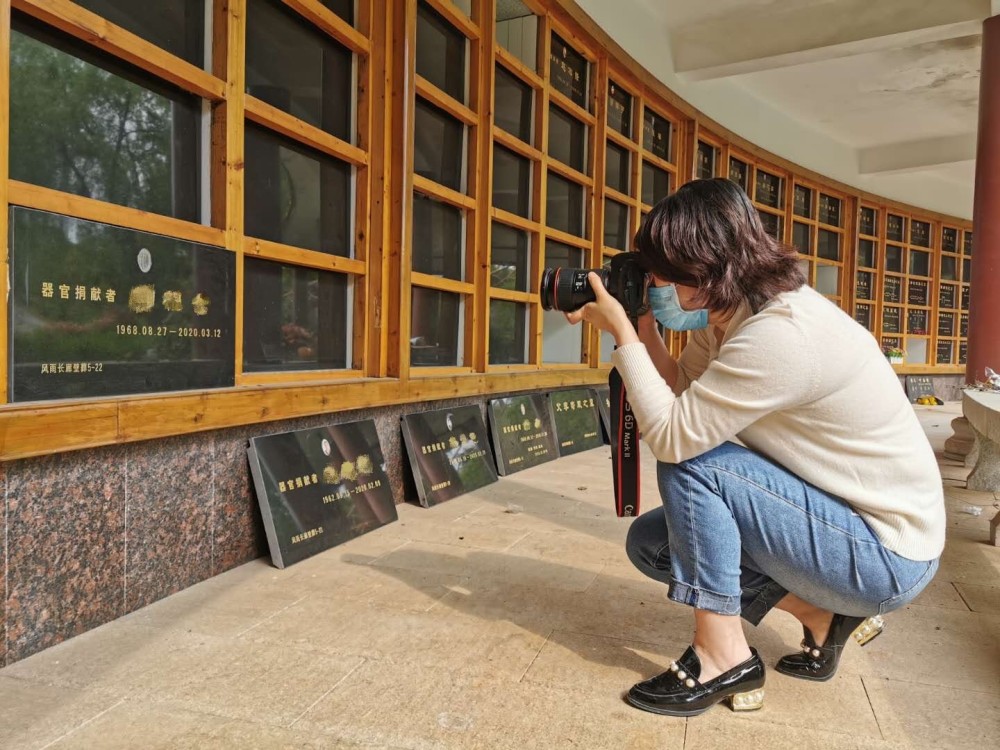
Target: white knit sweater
(803, 384)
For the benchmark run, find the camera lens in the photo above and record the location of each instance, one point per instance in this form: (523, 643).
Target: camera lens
(567, 289)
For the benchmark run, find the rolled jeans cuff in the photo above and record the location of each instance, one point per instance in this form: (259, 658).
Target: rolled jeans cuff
(762, 602)
(721, 604)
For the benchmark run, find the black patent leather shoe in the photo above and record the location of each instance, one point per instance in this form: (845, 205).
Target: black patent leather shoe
(819, 663)
(677, 692)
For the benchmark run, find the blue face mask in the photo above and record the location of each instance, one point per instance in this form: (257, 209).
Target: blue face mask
(669, 313)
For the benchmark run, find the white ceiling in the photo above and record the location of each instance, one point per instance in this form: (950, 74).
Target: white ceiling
(880, 94)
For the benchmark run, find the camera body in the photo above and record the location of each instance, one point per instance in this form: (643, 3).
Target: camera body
(567, 289)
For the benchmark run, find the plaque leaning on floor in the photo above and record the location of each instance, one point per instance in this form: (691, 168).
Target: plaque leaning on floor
(320, 487)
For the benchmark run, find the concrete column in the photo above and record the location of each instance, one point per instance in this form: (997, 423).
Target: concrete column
(984, 305)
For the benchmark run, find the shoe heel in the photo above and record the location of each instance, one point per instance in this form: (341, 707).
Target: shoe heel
(748, 701)
(868, 630)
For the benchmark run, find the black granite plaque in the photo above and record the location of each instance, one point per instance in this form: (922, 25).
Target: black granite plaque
(894, 227)
(963, 325)
(949, 240)
(916, 322)
(706, 160)
(604, 407)
(863, 285)
(967, 243)
(773, 225)
(963, 352)
(917, 386)
(739, 172)
(892, 289)
(577, 422)
(523, 435)
(568, 72)
(946, 324)
(829, 210)
(767, 190)
(98, 310)
(863, 314)
(802, 201)
(920, 233)
(944, 352)
(619, 109)
(656, 134)
(946, 296)
(917, 292)
(869, 221)
(449, 453)
(889, 342)
(866, 253)
(890, 320)
(965, 297)
(320, 487)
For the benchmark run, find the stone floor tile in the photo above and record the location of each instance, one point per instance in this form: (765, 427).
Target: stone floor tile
(435, 708)
(931, 717)
(941, 593)
(34, 715)
(984, 599)
(721, 729)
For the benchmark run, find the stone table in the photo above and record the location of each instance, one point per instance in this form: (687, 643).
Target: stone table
(982, 409)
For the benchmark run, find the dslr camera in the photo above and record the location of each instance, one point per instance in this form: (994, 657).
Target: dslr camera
(567, 289)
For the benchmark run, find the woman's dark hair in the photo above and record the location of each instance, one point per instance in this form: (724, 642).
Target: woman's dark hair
(708, 235)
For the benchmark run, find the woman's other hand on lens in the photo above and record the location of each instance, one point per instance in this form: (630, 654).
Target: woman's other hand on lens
(605, 313)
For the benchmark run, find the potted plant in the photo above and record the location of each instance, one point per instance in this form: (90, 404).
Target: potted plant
(894, 354)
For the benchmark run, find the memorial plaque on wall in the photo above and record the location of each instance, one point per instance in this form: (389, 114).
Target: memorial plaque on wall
(963, 352)
(868, 224)
(890, 320)
(706, 160)
(863, 285)
(656, 134)
(967, 243)
(946, 324)
(619, 110)
(739, 172)
(767, 189)
(568, 72)
(920, 233)
(604, 407)
(522, 432)
(575, 417)
(449, 452)
(946, 296)
(917, 386)
(916, 292)
(773, 225)
(965, 297)
(963, 325)
(863, 314)
(894, 227)
(320, 487)
(944, 351)
(892, 289)
(829, 210)
(949, 240)
(98, 310)
(891, 341)
(916, 322)
(802, 201)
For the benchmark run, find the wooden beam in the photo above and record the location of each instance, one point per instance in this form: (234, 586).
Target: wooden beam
(329, 22)
(280, 121)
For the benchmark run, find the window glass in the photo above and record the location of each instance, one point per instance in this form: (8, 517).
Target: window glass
(178, 26)
(828, 280)
(343, 8)
(802, 201)
(802, 238)
(564, 205)
(866, 253)
(769, 189)
(436, 320)
(616, 233)
(517, 31)
(869, 221)
(655, 184)
(739, 172)
(295, 67)
(829, 209)
(440, 52)
(567, 139)
(895, 227)
(437, 238)
(893, 258)
(86, 124)
(561, 342)
(510, 258)
(920, 262)
(511, 181)
(920, 233)
(569, 72)
(949, 268)
(512, 111)
(297, 196)
(295, 318)
(617, 164)
(508, 332)
(949, 240)
(774, 225)
(438, 146)
(619, 110)
(828, 245)
(707, 156)
(656, 135)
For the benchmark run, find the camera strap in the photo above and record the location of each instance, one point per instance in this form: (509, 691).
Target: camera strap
(624, 449)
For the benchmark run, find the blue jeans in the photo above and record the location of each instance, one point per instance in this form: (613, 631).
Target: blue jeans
(737, 532)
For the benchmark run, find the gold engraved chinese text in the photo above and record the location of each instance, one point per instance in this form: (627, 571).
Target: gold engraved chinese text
(172, 301)
(200, 304)
(142, 298)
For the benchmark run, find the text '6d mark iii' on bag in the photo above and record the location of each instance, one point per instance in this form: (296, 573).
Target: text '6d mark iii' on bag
(567, 289)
